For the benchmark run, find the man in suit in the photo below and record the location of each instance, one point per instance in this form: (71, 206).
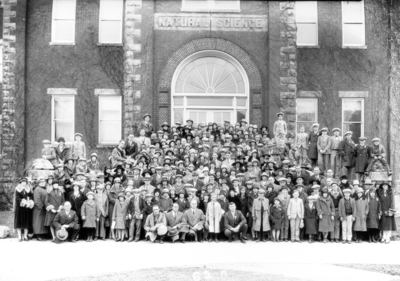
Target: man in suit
(317, 176)
(143, 139)
(131, 147)
(157, 178)
(324, 144)
(156, 225)
(194, 221)
(135, 214)
(301, 172)
(174, 223)
(295, 213)
(147, 186)
(137, 178)
(145, 126)
(235, 222)
(198, 184)
(118, 155)
(347, 150)
(68, 220)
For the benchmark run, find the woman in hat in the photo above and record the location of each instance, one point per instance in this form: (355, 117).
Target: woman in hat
(120, 173)
(362, 209)
(387, 223)
(336, 195)
(81, 167)
(311, 218)
(261, 212)
(277, 215)
(23, 209)
(54, 204)
(145, 125)
(39, 211)
(69, 168)
(326, 213)
(77, 198)
(93, 165)
(62, 150)
(119, 217)
(78, 148)
(312, 144)
(165, 202)
(90, 216)
(374, 215)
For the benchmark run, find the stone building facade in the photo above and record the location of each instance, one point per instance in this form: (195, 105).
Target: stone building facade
(143, 56)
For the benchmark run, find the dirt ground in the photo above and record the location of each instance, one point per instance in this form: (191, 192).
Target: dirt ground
(391, 269)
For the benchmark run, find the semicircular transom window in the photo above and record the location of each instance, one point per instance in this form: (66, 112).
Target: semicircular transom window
(210, 75)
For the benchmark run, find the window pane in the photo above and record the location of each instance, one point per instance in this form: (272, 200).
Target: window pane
(307, 34)
(217, 118)
(353, 34)
(193, 116)
(226, 4)
(64, 9)
(306, 110)
(110, 108)
(226, 116)
(240, 114)
(178, 115)
(110, 32)
(64, 129)
(111, 9)
(202, 117)
(211, 4)
(307, 126)
(355, 128)
(352, 11)
(110, 131)
(63, 108)
(208, 101)
(178, 100)
(352, 111)
(64, 30)
(306, 11)
(241, 101)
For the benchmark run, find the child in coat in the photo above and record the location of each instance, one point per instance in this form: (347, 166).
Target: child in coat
(277, 215)
(90, 215)
(119, 217)
(373, 217)
(310, 218)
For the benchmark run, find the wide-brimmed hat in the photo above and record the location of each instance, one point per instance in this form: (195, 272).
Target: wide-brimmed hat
(144, 116)
(62, 234)
(280, 113)
(346, 190)
(90, 193)
(121, 194)
(348, 132)
(78, 134)
(46, 142)
(360, 190)
(376, 139)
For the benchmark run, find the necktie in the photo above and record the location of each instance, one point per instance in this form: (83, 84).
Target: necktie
(174, 214)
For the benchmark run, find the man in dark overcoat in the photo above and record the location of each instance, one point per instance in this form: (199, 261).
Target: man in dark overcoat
(346, 150)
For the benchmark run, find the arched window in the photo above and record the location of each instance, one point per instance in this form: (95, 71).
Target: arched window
(210, 86)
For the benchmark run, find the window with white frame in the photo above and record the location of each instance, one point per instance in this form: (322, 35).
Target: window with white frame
(307, 23)
(110, 119)
(63, 24)
(353, 24)
(353, 116)
(1, 61)
(63, 117)
(306, 113)
(210, 5)
(111, 14)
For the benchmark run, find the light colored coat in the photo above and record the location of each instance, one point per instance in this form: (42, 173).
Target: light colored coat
(362, 209)
(214, 214)
(324, 143)
(256, 211)
(296, 208)
(78, 150)
(91, 213)
(102, 203)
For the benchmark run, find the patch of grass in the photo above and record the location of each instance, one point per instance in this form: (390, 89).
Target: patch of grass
(391, 269)
(183, 274)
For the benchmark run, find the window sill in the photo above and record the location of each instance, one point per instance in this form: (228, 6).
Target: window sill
(61, 44)
(355, 47)
(110, 44)
(106, 145)
(308, 47)
(211, 10)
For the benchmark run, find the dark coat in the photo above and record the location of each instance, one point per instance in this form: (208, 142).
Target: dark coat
(57, 201)
(346, 150)
(131, 149)
(361, 154)
(39, 211)
(62, 155)
(374, 213)
(313, 150)
(131, 206)
(243, 205)
(230, 222)
(277, 216)
(387, 202)
(147, 127)
(224, 204)
(61, 218)
(76, 202)
(23, 215)
(310, 219)
(183, 205)
(199, 184)
(325, 208)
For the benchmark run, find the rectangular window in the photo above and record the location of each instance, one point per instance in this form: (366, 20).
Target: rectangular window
(110, 119)
(1, 60)
(110, 26)
(211, 5)
(307, 23)
(306, 113)
(353, 24)
(63, 117)
(353, 116)
(63, 26)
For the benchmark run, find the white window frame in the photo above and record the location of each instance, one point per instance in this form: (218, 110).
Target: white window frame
(53, 31)
(362, 45)
(315, 100)
(121, 24)
(108, 93)
(53, 131)
(1, 60)
(362, 114)
(309, 22)
(210, 7)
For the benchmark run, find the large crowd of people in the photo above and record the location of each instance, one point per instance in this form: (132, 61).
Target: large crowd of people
(211, 182)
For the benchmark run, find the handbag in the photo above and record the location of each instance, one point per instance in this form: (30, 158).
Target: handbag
(301, 223)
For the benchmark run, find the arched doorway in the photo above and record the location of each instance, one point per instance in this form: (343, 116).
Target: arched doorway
(209, 86)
